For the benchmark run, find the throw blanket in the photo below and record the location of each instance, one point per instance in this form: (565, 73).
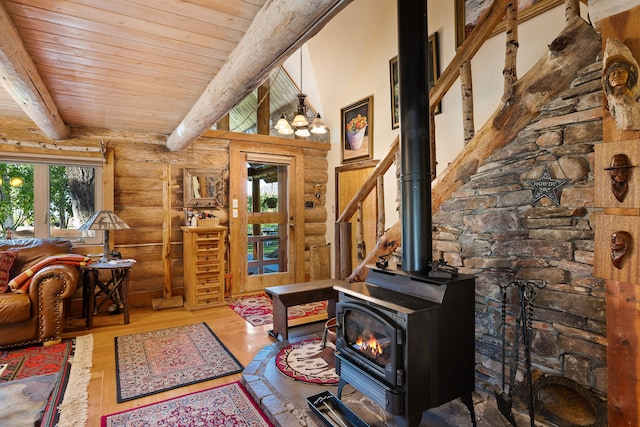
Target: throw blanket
(20, 283)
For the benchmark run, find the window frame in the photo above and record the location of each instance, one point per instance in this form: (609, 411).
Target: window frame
(41, 197)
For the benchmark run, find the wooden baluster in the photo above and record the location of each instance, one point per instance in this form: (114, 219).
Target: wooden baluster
(432, 142)
(361, 247)
(343, 250)
(510, 73)
(467, 102)
(380, 200)
(571, 9)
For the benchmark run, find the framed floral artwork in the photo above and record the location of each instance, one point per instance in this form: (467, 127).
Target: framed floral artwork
(468, 12)
(357, 130)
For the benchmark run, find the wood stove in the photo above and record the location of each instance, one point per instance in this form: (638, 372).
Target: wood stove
(407, 342)
(419, 323)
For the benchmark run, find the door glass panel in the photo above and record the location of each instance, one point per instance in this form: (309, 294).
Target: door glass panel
(266, 202)
(264, 251)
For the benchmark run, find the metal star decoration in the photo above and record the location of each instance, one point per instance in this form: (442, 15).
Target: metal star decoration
(545, 186)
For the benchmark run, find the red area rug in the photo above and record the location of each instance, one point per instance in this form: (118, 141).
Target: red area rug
(309, 362)
(155, 361)
(227, 405)
(36, 360)
(258, 310)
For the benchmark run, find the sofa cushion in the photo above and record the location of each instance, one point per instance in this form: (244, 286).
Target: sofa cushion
(14, 308)
(6, 261)
(31, 251)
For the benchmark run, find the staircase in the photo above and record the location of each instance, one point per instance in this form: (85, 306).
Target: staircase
(573, 49)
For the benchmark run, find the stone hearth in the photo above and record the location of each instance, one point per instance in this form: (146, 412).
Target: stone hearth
(284, 400)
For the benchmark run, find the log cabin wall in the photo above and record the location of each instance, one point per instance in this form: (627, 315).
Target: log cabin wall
(137, 190)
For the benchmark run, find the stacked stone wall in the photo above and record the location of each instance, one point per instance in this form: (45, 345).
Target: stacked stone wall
(491, 228)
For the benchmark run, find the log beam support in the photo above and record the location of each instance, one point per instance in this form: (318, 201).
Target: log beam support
(20, 78)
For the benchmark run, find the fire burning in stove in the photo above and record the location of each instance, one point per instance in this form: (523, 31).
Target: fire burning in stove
(367, 343)
(366, 335)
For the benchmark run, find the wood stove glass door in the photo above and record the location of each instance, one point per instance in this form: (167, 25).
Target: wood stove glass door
(370, 339)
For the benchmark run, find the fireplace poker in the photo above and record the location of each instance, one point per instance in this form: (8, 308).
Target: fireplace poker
(504, 399)
(527, 295)
(335, 415)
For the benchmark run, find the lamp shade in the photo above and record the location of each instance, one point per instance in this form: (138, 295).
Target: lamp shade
(104, 220)
(285, 128)
(318, 126)
(299, 121)
(303, 132)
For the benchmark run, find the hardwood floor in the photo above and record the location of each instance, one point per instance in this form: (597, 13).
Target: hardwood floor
(242, 339)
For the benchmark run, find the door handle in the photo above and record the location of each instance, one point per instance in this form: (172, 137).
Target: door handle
(291, 223)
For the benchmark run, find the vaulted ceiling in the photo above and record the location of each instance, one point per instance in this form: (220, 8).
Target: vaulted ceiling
(171, 67)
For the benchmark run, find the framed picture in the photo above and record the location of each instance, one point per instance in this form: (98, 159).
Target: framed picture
(395, 92)
(357, 130)
(433, 74)
(434, 71)
(468, 12)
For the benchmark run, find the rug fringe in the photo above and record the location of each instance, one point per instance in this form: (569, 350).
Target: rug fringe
(74, 408)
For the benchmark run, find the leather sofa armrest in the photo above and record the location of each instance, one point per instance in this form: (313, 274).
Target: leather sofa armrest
(48, 290)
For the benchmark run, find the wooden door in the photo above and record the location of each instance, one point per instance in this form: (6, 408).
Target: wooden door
(349, 180)
(266, 243)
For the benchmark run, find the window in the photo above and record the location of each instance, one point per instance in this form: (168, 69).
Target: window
(42, 198)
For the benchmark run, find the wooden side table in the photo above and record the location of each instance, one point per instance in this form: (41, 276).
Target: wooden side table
(115, 289)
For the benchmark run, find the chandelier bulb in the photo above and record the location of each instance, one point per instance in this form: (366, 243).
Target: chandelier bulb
(303, 132)
(318, 126)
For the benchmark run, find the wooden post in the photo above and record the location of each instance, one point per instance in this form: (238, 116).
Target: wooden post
(223, 123)
(167, 300)
(264, 112)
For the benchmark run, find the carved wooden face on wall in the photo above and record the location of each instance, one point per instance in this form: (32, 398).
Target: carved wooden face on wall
(620, 82)
(620, 74)
(620, 247)
(619, 171)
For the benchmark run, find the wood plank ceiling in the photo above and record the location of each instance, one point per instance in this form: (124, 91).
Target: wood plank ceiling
(170, 67)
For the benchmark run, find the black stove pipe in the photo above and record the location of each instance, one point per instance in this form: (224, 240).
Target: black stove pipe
(415, 174)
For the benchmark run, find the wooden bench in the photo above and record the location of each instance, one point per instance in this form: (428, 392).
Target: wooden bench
(285, 296)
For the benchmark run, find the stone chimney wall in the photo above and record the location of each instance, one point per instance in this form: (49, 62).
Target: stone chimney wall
(491, 228)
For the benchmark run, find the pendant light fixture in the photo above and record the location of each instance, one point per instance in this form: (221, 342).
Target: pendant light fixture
(300, 124)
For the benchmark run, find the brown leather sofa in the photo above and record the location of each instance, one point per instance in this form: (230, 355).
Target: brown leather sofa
(40, 315)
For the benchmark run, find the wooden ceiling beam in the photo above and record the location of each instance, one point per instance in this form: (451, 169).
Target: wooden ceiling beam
(278, 30)
(22, 81)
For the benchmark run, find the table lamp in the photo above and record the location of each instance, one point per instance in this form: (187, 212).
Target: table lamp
(105, 221)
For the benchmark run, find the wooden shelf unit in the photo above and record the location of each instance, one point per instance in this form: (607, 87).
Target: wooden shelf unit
(204, 266)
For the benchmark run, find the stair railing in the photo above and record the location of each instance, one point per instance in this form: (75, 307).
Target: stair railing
(459, 67)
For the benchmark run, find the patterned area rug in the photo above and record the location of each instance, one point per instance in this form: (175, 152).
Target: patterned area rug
(258, 310)
(155, 361)
(34, 380)
(227, 405)
(307, 361)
